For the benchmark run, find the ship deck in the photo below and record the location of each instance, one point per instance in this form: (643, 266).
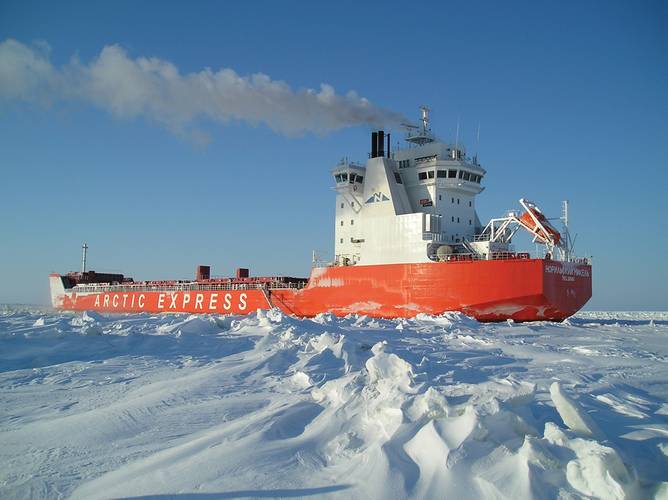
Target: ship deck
(214, 284)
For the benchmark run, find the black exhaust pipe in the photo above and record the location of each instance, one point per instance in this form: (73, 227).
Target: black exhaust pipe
(381, 143)
(374, 144)
(388, 145)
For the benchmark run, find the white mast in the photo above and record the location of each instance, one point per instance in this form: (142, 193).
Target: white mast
(425, 118)
(567, 235)
(84, 250)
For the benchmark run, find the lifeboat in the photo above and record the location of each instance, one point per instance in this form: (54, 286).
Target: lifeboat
(536, 223)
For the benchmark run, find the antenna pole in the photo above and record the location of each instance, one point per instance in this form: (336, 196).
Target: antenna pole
(84, 251)
(457, 136)
(477, 139)
(564, 221)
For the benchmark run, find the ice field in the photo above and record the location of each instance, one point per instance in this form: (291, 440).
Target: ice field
(97, 406)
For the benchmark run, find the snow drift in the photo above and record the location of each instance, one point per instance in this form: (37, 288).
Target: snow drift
(99, 406)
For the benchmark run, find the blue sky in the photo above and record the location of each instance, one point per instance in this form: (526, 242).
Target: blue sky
(571, 99)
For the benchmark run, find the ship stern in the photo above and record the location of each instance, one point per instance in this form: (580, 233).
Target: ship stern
(567, 287)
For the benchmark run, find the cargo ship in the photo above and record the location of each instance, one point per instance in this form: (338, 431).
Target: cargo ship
(407, 240)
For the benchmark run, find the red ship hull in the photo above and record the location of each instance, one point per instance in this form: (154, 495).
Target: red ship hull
(489, 290)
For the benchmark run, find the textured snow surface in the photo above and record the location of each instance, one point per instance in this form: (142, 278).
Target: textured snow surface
(104, 406)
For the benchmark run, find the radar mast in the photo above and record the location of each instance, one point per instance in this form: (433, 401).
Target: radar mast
(420, 134)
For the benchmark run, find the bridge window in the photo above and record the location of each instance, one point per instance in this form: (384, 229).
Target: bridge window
(452, 174)
(467, 176)
(352, 222)
(360, 178)
(338, 177)
(422, 176)
(342, 223)
(431, 174)
(344, 177)
(461, 174)
(397, 178)
(441, 174)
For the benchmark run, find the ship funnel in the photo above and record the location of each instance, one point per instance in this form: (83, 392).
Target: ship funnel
(202, 273)
(378, 144)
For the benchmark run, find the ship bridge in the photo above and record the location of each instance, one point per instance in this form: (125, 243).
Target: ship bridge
(402, 205)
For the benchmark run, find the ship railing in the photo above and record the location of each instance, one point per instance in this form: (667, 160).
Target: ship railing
(580, 260)
(481, 237)
(494, 256)
(435, 237)
(186, 287)
(506, 256)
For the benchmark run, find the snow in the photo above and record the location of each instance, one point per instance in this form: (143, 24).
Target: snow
(104, 406)
(573, 416)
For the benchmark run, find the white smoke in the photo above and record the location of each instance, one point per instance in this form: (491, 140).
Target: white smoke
(155, 89)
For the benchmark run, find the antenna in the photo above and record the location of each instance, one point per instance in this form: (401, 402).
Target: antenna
(84, 250)
(457, 136)
(477, 139)
(477, 145)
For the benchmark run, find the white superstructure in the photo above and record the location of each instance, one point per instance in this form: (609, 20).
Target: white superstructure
(402, 206)
(418, 205)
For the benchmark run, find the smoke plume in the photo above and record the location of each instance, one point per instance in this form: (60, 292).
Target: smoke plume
(155, 89)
